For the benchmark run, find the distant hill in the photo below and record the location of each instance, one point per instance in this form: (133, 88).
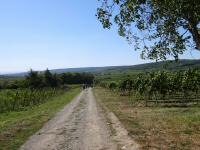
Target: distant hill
(163, 65)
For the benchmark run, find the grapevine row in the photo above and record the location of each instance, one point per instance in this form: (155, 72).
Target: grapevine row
(20, 99)
(161, 85)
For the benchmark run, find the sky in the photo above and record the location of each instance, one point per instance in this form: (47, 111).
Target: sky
(54, 34)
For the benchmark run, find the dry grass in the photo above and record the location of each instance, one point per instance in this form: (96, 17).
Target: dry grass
(155, 127)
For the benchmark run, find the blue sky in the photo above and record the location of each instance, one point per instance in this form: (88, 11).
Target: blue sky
(59, 34)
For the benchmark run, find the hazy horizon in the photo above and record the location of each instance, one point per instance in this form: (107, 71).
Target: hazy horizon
(58, 34)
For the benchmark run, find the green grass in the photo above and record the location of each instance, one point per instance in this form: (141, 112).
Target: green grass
(155, 127)
(16, 127)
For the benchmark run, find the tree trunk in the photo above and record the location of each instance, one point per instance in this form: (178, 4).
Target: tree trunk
(195, 33)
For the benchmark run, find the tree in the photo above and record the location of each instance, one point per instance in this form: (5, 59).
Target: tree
(76, 78)
(50, 79)
(34, 80)
(112, 85)
(55, 80)
(165, 27)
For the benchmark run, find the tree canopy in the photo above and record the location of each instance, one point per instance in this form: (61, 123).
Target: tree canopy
(35, 80)
(165, 27)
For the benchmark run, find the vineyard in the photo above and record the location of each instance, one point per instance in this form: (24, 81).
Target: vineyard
(162, 87)
(20, 99)
(36, 88)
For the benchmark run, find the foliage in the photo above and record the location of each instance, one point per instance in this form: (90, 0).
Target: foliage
(46, 79)
(38, 87)
(50, 80)
(76, 78)
(165, 27)
(20, 99)
(33, 79)
(163, 84)
(112, 85)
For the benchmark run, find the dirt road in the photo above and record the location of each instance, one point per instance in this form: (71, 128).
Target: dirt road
(79, 126)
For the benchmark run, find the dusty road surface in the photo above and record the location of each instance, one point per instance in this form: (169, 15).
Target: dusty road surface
(81, 125)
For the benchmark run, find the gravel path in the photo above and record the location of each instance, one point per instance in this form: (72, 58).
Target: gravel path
(81, 125)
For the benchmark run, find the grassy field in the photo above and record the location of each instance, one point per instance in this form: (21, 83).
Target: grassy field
(16, 127)
(155, 127)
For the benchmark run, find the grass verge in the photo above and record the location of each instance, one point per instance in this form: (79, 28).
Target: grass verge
(16, 127)
(155, 127)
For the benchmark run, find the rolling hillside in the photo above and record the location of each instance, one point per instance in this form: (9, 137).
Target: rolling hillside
(163, 65)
